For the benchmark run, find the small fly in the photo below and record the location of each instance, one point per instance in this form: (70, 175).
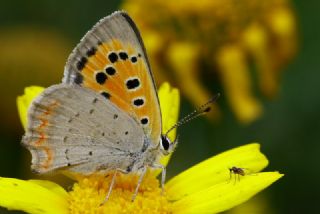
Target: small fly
(237, 171)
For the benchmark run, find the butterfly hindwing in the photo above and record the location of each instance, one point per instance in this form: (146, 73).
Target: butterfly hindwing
(71, 126)
(111, 60)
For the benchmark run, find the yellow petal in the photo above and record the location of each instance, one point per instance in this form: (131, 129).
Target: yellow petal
(237, 84)
(216, 170)
(225, 195)
(169, 99)
(24, 101)
(182, 57)
(256, 41)
(283, 25)
(51, 186)
(29, 196)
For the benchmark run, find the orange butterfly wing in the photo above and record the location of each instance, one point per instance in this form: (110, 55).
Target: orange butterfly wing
(111, 60)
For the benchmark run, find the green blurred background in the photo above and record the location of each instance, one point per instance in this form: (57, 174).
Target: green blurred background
(38, 36)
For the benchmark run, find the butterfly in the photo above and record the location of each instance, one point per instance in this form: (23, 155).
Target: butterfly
(105, 115)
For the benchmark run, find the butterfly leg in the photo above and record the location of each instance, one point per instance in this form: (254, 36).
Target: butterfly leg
(163, 174)
(144, 170)
(112, 184)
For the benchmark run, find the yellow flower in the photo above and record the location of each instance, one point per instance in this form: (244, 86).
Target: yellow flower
(217, 41)
(204, 188)
(24, 101)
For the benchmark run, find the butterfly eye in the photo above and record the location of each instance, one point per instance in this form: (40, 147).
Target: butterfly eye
(165, 143)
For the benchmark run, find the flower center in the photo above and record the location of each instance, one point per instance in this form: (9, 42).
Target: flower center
(88, 194)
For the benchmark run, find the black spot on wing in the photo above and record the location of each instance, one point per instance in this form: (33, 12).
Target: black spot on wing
(101, 78)
(106, 95)
(123, 55)
(144, 121)
(110, 71)
(138, 102)
(133, 83)
(78, 79)
(134, 59)
(82, 63)
(66, 152)
(92, 51)
(113, 57)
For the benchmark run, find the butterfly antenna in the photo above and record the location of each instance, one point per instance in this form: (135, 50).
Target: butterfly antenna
(203, 109)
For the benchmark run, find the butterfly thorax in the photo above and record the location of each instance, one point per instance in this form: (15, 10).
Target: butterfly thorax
(148, 157)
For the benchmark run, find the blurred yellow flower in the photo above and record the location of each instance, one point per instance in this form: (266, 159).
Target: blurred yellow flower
(24, 101)
(186, 40)
(184, 193)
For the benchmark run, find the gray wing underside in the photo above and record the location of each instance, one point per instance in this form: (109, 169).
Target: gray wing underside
(70, 126)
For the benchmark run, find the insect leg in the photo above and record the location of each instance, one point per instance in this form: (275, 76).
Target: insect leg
(163, 174)
(112, 184)
(235, 179)
(230, 172)
(144, 170)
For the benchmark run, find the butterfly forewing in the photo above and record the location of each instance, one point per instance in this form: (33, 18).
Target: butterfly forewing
(111, 60)
(71, 126)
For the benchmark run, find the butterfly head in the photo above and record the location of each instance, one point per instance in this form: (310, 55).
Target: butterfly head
(166, 146)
